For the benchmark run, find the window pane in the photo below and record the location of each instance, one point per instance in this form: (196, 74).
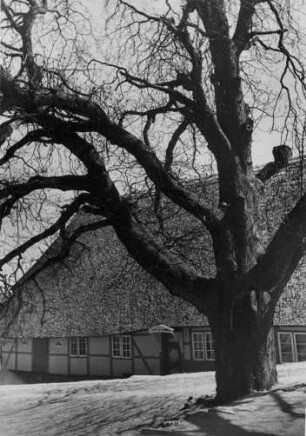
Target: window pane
(116, 346)
(286, 349)
(82, 346)
(73, 347)
(126, 346)
(198, 346)
(210, 346)
(300, 340)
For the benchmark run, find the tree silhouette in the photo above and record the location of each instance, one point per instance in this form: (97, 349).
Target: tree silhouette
(113, 119)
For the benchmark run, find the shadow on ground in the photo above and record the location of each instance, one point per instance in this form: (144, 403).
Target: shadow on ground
(285, 406)
(8, 377)
(212, 422)
(206, 424)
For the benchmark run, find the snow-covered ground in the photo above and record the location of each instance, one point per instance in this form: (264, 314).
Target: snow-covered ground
(139, 404)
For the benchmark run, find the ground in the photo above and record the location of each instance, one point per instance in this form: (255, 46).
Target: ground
(152, 405)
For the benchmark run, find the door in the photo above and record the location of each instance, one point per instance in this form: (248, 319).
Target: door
(40, 355)
(172, 356)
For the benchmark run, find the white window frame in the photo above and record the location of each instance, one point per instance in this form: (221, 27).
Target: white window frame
(122, 351)
(194, 349)
(295, 346)
(78, 347)
(293, 351)
(208, 337)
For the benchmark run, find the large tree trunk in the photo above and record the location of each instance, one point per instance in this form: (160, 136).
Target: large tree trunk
(245, 355)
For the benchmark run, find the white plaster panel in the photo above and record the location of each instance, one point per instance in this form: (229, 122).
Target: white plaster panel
(99, 366)
(122, 367)
(140, 368)
(24, 362)
(58, 364)
(58, 346)
(8, 360)
(147, 345)
(78, 365)
(24, 345)
(8, 345)
(99, 345)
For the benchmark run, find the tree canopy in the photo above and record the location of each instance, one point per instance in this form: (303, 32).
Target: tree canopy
(95, 117)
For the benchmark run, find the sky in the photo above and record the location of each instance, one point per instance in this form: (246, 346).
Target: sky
(264, 139)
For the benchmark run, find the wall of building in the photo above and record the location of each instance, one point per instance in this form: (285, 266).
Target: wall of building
(190, 362)
(8, 354)
(17, 354)
(290, 342)
(145, 356)
(100, 356)
(58, 356)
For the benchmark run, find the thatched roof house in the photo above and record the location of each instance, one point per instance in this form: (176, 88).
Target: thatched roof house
(98, 291)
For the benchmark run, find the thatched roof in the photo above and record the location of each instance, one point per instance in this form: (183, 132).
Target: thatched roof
(99, 289)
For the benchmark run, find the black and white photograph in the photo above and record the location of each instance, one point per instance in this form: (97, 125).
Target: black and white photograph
(152, 217)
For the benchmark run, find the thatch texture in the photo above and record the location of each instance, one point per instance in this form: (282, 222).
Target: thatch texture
(99, 289)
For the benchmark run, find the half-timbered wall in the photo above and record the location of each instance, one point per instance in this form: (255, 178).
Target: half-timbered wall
(146, 354)
(8, 354)
(99, 359)
(290, 343)
(136, 353)
(193, 361)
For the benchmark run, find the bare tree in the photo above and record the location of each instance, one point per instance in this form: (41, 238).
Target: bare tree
(169, 97)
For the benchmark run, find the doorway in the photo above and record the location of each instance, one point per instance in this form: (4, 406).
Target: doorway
(172, 355)
(40, 355)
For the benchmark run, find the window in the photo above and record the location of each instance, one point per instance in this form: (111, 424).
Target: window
(78, 347)
(203, 346)
(286, 347)
(300, 344)
(122, 346)
(198, 345)
(209, 346)
(292, 346)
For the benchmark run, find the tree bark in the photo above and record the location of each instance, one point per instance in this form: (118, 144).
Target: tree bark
(245, 354)
(264, 370)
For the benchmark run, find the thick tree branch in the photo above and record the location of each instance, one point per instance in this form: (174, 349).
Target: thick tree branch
(14, 192)
(156, 259)
(283, 254)
(165, 87)
(232, 112)
(60, 252)
(33, 136)
(100, 123)
(140, 243)
(68, 212)
(24, 30)
(197, 111)
(242, 33)
(172, 143)
(63, 183)
(202, 114)
(168, 268)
